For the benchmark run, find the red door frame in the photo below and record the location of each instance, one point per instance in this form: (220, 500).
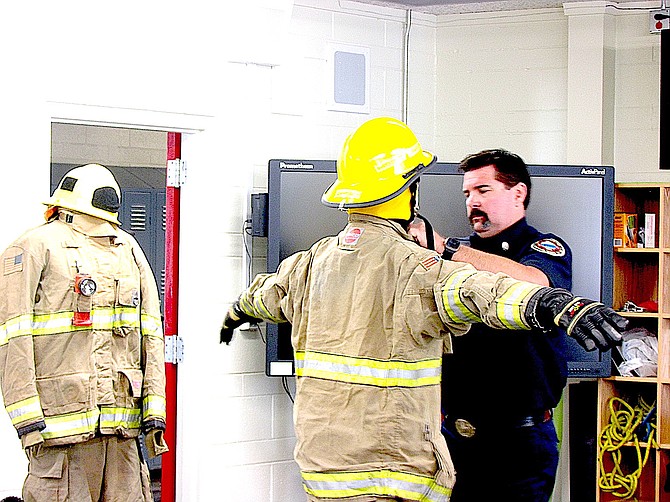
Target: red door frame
(172, 196)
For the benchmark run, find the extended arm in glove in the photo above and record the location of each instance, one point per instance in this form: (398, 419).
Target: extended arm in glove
(591, 323)
(234, 318)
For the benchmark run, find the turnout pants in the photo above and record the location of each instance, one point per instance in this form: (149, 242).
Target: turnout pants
(103, 469)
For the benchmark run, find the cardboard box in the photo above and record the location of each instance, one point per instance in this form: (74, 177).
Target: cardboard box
(649, 230)
(625, 230)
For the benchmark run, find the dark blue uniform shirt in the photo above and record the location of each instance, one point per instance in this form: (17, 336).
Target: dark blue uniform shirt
(496, 376)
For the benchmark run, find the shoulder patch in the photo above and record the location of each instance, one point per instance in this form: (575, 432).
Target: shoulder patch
(430, 261)
(13, 263)
(352, 236)
(549, 246)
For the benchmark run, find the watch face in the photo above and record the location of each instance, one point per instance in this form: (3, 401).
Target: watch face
(452, 244)
(87, 287)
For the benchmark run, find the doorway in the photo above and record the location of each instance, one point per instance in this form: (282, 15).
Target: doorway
(137, 158)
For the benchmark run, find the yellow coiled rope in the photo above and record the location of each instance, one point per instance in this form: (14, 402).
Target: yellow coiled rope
(624, 421)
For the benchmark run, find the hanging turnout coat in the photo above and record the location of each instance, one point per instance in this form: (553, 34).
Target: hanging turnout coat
(63, 378)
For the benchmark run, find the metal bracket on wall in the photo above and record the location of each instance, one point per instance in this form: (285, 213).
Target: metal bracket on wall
(176, 173)
(174, 349)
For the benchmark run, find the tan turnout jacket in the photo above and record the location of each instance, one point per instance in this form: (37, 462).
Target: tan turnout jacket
(370, 313)
(74, 380)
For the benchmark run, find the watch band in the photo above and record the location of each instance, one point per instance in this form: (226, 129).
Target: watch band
(451, 245)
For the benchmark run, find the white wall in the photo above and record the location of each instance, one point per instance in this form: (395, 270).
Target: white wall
(247, 84)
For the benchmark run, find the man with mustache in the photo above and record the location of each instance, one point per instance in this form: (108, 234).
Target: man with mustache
(499, 389)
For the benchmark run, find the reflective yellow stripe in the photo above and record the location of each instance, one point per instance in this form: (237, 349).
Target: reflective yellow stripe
(70, 424)
(368, 371)
(127, 418)
(255, 307)
(509, 307)
(61, 322)
(153, 406)
(451, 298)
(386, 483)
(152, 326)
(27, 409)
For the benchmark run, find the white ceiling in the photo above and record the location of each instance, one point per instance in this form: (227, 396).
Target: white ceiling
(463, 6)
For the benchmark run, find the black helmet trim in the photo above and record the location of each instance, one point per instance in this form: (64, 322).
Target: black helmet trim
(106, 198)
(411, 176)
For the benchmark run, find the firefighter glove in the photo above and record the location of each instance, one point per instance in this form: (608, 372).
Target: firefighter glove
(155, 442)
(591, 323)
(234, 318)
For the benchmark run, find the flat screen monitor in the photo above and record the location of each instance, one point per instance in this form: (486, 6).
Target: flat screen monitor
(573, 202)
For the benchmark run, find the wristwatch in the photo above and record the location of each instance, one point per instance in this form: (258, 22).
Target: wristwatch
(451, 245)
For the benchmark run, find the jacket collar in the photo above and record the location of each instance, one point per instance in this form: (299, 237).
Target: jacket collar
(88, 225)
(376, 220)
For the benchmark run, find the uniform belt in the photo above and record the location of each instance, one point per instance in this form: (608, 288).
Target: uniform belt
(466, 429)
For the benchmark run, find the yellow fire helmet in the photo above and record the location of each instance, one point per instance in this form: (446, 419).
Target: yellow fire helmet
(378, 162)
(90, 189)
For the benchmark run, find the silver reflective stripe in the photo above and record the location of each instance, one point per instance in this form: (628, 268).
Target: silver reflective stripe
(510, 307)
(386, 483)
(61, 322)
(152, 326)
(70, 424)
(27, 409)
(153, 406)
(454, 306)
(368, 371)
(111, 418)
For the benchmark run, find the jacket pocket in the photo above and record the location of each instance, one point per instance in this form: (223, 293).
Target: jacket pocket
(446, 474)
(64, 393)
(47, 474)
(127, 292)
(127, 297)
(128, 387)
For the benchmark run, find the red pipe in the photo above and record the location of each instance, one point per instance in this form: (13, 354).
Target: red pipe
(172, 195)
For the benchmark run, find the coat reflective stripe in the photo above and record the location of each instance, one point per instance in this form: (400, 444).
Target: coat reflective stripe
(382, 483)
(368, 371)
(61, 322)
(510, 306)
(112, 418)
(153, 406)
(255, 307)
(27, 409)
(152, 326)
(451, 298)
(70, 424)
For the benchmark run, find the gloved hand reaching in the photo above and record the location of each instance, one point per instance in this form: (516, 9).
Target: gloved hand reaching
(591, 323)
(234, 318)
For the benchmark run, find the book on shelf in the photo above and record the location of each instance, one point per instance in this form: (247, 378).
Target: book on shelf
(625, 230)
(649, 230)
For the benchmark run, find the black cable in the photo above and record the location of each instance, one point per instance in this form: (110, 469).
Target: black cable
(284, 382)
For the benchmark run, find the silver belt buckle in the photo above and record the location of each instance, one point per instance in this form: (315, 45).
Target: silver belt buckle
(464, 428)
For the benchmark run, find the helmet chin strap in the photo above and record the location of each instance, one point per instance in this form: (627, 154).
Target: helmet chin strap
(430, 237)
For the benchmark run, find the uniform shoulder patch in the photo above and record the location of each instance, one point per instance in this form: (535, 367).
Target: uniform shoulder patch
(352, 236)
(549, 246)
(12, 261)
(430, 261)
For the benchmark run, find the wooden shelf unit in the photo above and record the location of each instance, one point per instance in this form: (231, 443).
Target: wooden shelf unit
(643, 274)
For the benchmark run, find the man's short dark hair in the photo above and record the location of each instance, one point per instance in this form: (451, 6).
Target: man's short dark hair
(510, 168)
(11, 498)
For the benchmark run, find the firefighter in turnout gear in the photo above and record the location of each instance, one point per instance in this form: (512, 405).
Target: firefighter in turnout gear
(370, 312)
(81, 347)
